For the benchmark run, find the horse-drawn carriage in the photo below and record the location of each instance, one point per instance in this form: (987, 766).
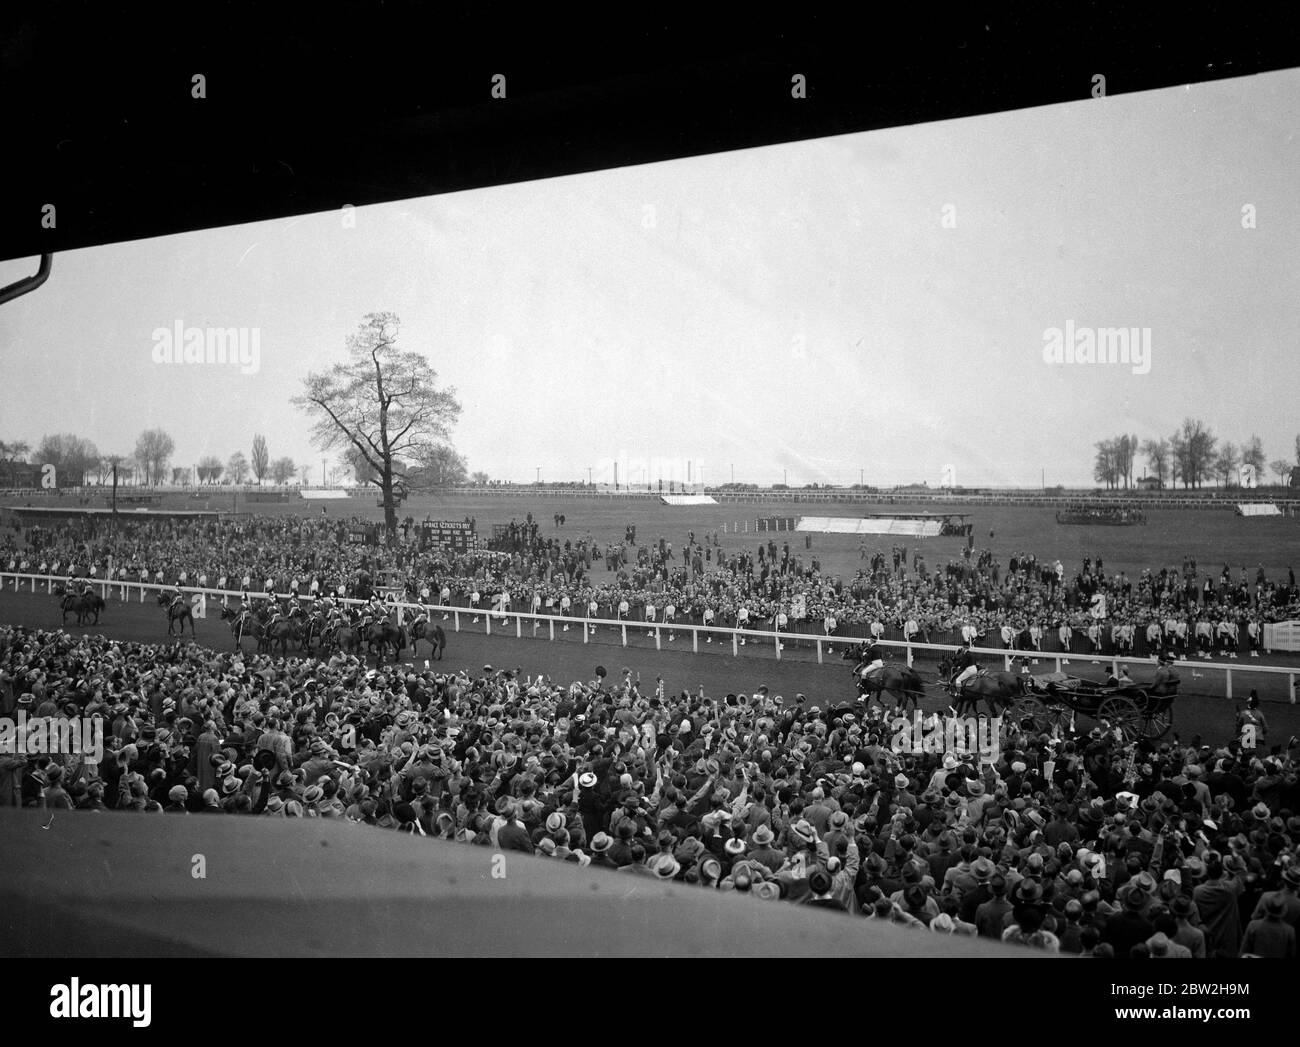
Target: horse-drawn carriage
(1055, 700)
(1049, 701)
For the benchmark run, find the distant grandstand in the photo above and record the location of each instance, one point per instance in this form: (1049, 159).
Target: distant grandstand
(1258, 509)
(902, 525)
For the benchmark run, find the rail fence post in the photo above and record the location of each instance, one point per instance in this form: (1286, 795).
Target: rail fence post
(1291, 681)
(658, 647)
(695, 641)
(1227, 673)
(519, 626)
(909, 655)
(551, 622)
(777, 639)
(488, 618)
(735, 646)
(819, 652)
(586, 631)
(455, 615)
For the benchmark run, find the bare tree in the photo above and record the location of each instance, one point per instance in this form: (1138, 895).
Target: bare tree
(72, 456)
(382, 402)
(237, 467)
(1106, 465)
(152, 450)
(1157, 453)
(261, 457)
(12, 451)
(209, 469)
(1194, 451)
(283, 470)
(1225, 464)
(1252, 453)
(480, 478)
(441, 465)
(359, 465)
(1281, 469)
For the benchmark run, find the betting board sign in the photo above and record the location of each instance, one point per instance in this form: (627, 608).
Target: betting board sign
(457, 535)
(363, 536)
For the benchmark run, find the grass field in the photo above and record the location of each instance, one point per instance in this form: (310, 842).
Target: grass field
(1213, 537)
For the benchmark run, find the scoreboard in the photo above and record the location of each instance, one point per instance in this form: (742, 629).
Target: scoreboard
(363, 535)
(456, 535)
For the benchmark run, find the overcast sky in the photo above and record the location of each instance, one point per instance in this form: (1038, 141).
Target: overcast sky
(801, 307)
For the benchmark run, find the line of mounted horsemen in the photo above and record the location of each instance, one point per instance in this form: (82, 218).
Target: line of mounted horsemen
(320, 623)
(323, 624)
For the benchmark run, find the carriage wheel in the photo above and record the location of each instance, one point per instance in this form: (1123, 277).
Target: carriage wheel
(1028, 708)
(1160, 715)
(1056, 719)
(1159, 723)
(1123, 713)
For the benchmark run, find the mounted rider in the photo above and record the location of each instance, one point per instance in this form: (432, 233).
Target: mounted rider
(178, 598)
(373, 610)
(277, 614)
(965, 661)
(870, 660)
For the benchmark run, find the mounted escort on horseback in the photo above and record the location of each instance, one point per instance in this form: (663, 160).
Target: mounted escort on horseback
(875, 677)
(85, 603)
(967, 683)
(179, 611)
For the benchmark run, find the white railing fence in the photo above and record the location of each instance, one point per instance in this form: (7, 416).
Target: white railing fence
(729, 636)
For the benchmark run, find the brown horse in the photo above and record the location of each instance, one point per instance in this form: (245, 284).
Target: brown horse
(998, 689)
(422, 629)
(178, 610)
(382, 635)
(83, 605)
(900, 681)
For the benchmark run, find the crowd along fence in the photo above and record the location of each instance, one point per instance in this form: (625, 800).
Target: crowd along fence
(776, 640)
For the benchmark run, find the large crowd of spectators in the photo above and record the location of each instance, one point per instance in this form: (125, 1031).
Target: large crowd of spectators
(1077, 845)
(1027, 604)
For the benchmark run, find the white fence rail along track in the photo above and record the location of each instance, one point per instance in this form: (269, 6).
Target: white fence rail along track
(760, 638)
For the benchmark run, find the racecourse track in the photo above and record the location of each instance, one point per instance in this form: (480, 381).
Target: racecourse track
(714, 668)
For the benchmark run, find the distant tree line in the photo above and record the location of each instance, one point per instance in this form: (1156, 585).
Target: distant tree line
(1191, 456)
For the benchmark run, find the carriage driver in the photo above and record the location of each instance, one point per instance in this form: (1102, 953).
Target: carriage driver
(871, 659)
(1166, 677)
(969, 667)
